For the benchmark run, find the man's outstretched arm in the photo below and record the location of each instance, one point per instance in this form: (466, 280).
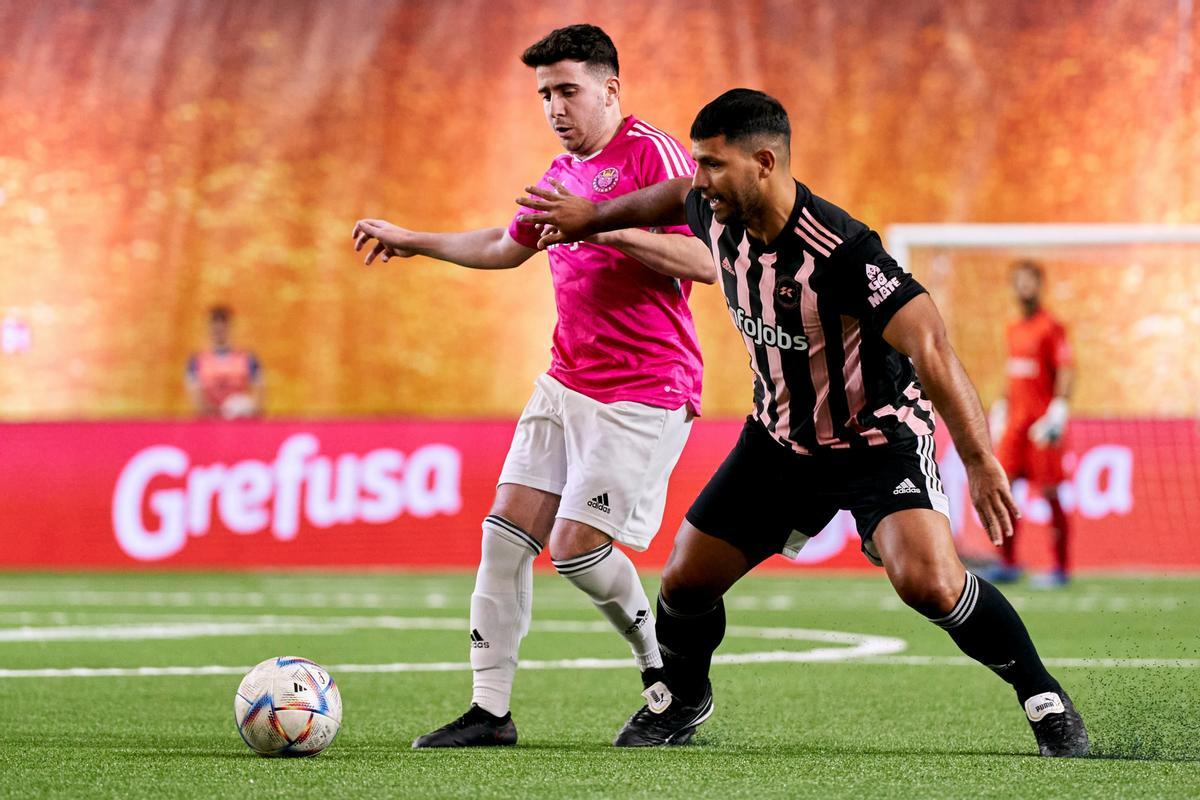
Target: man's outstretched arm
(672, 254)
(918, 332)
(571, 218)
(488, 248)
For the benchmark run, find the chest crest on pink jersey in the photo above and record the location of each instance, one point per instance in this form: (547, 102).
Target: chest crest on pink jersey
(606, 179)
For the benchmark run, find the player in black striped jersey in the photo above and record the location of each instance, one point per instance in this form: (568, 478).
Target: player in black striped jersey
(847, 351)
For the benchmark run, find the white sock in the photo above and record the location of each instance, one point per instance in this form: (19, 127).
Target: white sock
(608, 577)
(501, 606)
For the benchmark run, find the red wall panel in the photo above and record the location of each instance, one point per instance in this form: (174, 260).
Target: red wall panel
(397, 493)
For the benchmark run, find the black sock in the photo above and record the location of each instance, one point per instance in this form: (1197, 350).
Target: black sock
(986, 627)
(687, 642)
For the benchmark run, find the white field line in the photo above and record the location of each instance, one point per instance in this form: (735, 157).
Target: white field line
(852, 645)
(192, 630)
(274, 624)
(850, 599)
(855, 648)
(597, 663)
(270, 625)
(1092, 663)
(1085, 604)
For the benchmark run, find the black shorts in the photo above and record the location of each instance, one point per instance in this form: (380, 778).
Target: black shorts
(766, 499)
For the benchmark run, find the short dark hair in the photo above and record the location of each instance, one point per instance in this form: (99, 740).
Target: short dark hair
(583, 42)
(742, 114)
(220, 313)
(1029, 265)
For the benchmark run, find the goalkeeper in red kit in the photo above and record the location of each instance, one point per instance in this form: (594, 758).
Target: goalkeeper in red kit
(1028, 423)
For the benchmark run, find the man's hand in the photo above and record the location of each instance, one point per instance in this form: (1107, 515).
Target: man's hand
(564, 217)
(390, 240)
(992, 498)
(917, 331)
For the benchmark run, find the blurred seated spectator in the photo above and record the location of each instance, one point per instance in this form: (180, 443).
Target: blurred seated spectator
(224, 381)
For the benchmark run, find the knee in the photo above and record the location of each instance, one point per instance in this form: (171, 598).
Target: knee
(685, 591)
(571, 540)
(933, 592)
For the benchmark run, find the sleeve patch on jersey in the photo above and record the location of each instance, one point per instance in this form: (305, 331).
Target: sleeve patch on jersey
(880, 285)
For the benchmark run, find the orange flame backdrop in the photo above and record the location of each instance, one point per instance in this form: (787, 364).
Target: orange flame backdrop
(157, 158)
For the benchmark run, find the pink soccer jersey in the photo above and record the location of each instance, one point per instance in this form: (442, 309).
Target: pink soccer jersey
(624, 332)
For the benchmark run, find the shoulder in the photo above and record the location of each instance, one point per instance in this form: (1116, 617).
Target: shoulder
(833, 219)
(640, 129)
(1054, 327)
(658, 151)
(830, 231)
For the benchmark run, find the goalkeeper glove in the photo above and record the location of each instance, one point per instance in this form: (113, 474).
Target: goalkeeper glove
(997, 419)
(1050, 427)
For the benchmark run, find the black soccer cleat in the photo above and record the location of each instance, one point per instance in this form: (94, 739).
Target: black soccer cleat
(665, 719)
(1057, 725)
(476, 728)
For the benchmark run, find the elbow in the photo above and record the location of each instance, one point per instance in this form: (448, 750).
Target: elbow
(931, 352)
(703, 269)
(506, 261)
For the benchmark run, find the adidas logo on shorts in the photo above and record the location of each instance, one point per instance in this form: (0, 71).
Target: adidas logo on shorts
(600, 503)
(906, 487)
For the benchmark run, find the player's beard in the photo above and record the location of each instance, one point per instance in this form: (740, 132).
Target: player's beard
(744, 205)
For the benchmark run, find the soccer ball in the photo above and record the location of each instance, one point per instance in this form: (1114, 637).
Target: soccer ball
(288, 706)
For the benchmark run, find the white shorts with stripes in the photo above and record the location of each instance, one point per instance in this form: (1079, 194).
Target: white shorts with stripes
(609, 462)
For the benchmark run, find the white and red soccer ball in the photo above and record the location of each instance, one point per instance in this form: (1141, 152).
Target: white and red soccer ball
(288, 706)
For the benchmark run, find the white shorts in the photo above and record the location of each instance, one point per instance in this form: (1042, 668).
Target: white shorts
(609, 462)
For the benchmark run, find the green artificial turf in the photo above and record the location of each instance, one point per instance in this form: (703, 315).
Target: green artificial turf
(898, 725)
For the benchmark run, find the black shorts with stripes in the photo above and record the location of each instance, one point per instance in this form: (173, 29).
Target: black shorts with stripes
(766, 499)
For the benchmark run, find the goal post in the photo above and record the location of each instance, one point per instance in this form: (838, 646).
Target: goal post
(903, 237)
(1129, 296)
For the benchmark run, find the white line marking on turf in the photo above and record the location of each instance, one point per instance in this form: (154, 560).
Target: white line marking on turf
(856, 644)
(1093, 663)
(192, 630)
(437, 598)
(587, 663)
(851, 645)
(854, 648)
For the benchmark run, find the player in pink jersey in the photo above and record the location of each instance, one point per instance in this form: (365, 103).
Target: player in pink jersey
(593, 450)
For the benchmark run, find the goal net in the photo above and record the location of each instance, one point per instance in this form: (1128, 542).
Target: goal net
(1129, 296)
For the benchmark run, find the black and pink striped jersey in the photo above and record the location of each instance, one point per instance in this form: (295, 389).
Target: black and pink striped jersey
(811, 307)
